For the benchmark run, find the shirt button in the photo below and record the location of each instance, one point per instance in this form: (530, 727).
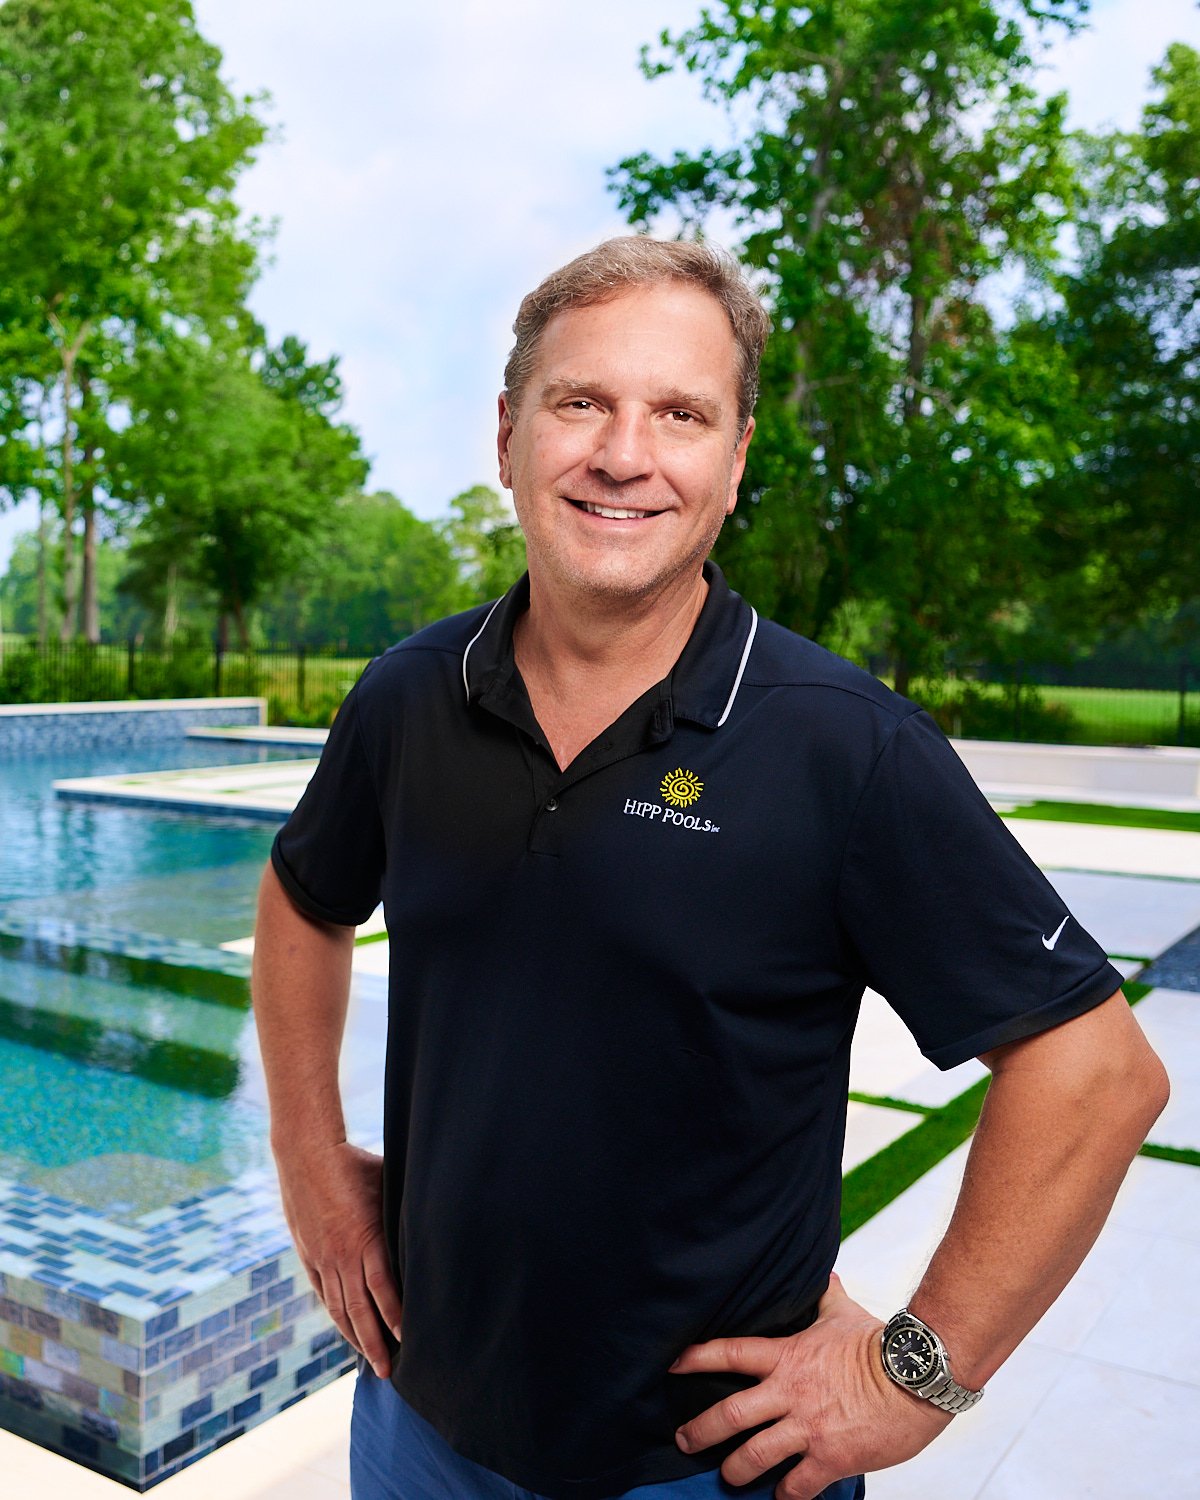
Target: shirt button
(552, 805)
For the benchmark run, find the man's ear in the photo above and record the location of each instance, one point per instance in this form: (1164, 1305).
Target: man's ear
(503, 438)
(739, 466)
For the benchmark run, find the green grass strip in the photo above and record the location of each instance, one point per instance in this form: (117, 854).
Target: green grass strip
(371, 937)
(1133, 991)
(874, 1184)
(885, 1101)
(1172, 1153)
(1114, 817)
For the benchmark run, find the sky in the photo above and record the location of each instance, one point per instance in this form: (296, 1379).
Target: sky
(431, 163)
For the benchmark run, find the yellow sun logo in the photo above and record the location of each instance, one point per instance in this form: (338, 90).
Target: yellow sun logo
(681, 788)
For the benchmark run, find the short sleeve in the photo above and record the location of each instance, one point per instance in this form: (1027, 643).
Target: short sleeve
(953, 923)
(329, 855)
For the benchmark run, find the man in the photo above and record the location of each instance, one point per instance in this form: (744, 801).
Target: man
(639, 854)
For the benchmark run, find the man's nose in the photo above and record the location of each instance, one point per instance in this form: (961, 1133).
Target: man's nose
(625, 447)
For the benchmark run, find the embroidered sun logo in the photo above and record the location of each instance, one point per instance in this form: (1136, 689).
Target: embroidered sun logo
(681, 788)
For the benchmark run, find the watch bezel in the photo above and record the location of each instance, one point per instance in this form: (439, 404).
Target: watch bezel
(937, 1357)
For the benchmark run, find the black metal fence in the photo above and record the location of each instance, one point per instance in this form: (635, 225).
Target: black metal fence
(1130, 704)
(1147, 704)
(302, 684)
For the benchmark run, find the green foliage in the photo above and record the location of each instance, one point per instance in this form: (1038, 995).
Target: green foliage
(1122, 526)
(374, 574)
(912, 456)
(1012, 710)
(230, 464)
(486, 542)
(123, 616)
(120, 149)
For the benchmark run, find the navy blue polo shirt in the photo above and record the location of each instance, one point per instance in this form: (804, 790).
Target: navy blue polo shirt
(621, 1003)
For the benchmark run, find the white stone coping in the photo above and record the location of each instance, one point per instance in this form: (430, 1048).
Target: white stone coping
(1150, 771)
(264, 734)
(126, 705)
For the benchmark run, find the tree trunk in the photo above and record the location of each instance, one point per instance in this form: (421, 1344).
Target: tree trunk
(42, 627)
(69, 350)
(918, 348)
(171, 608)
(89, 602)
(239, 616)
(43, 541)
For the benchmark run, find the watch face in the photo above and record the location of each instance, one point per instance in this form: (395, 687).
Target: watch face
(910, 1356)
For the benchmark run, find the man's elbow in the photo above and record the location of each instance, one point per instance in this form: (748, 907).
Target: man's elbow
(1151, 1089)
(1132, 1091)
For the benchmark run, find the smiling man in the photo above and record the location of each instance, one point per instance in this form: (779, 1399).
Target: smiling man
(640, 853)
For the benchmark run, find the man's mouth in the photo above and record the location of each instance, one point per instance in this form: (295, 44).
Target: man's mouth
(613, 512)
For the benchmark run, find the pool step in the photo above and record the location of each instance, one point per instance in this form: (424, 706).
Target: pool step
(102, 952)
(147, 1029)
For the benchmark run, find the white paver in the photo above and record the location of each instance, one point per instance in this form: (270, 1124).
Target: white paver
(1104, 1395)
(1133, 914)
(1122, 851)
(1171, 1021)
(273, 787)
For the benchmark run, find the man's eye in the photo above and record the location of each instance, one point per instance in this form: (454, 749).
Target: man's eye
(680, 415)
(580, 403)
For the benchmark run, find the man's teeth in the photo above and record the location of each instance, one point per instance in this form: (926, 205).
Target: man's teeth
(613, 514)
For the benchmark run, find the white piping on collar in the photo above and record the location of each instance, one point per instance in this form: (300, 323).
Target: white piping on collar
(475, 637)
(737, 681)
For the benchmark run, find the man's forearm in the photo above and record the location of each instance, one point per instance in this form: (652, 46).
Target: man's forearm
(300, 984)
(1064, 1116)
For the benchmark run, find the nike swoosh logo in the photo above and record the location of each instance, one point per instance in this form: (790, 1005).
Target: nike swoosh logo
(1049, 942)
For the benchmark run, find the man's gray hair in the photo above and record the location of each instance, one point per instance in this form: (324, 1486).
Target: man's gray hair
(634, 261)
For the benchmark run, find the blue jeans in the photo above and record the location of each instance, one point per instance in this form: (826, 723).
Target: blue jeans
(396, 1455)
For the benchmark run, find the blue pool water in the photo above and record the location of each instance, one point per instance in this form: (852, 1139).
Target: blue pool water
(178, 875)
(127, 1082)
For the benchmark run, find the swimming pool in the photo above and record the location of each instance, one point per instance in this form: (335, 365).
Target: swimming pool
(151, 1306)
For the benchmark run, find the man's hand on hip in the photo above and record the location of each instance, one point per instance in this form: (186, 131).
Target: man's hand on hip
(333, 1199)
(826, 1395)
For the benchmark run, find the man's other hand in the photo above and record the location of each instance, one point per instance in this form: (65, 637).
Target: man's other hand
(826, 1395)
(333, 1199)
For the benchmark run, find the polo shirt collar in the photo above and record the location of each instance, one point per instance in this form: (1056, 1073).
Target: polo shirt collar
(701, 687)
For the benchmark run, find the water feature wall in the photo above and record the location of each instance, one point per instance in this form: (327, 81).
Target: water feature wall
(135, 1340)
(39, 727)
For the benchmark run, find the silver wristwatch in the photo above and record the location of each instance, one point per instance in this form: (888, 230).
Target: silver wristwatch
(915, 1358)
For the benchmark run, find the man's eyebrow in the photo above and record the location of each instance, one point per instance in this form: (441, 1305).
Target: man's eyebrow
(565, 389)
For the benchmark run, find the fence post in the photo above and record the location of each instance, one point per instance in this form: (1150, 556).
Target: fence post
(300, 676)
(1181, 731)
(217, 655)
(131, 668)
(1017, 682)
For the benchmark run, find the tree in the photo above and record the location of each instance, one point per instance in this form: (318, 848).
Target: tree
(36, 562)
(486, 541)
(230, 464)
(1122, 523)
(896, 158)
(120, 148)
(373, 574)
